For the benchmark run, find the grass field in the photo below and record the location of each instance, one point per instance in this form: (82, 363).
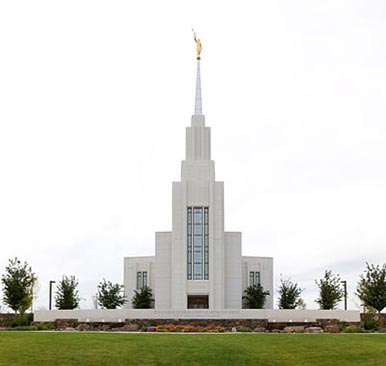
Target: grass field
(42, 348)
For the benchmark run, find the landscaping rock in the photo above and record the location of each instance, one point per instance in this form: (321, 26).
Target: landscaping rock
(277, 331)
(294, 329)
(313, 330)
(259, 330)
(331, 329)
(130, 327)
(83, 327)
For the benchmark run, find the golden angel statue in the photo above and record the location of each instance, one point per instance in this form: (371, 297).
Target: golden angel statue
(199, 46)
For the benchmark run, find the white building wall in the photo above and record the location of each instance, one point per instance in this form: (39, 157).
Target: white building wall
(232, 270)
(179, 298)
(264, 265)
(163, 270)
(131, 266)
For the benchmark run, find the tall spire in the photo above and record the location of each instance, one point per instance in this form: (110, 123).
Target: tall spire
(198, 103)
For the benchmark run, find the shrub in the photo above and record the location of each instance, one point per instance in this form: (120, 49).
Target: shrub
(24, 328)
(47, 326)
(189, 328)
(21, 320)
(143, 328)
(370, 324)
(245, 329)
(342, 325)
(353, 329)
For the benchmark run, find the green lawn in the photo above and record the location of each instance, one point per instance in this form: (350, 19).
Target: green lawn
(41, 348)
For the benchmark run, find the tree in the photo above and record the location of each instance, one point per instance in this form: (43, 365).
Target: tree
(18, 282)
(330, 291)
(254, 297)
(142, 299)
(371, 287)
(67, 296)
(289, 294)
(301, 304)
(110, 295)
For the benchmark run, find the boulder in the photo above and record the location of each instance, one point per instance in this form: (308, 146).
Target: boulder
(313, 330)
(83, 327)
(294, 329)
(259, 330)
(130, 327)
(332, 329)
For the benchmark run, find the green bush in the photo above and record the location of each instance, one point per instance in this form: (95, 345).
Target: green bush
(24, 328)
(143, 328)
(353, 329)
(245, 329)
(21, 320)
(342, 325)
(47, 326)
(370, 324)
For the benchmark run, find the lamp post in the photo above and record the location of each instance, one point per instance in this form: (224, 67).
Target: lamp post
(50, 300)
(345, 293)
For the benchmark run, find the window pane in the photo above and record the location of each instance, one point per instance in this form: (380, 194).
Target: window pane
(197, 215)
(144, 279)
(251, 278)
(197, 229)
(139, 280)
(197, 243)
(257, 278)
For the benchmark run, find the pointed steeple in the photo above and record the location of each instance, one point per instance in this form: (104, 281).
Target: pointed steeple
(198, 102)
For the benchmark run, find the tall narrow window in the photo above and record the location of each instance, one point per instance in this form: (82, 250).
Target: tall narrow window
(144, 278)
(251, 278)
(254, 278)
(189, 251)
(141, 279)
(198, 243)
(206, 243)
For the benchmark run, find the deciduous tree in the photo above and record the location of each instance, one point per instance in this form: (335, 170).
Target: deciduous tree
(371, 287)
(289, 294)
(110, 296)
(18, 282)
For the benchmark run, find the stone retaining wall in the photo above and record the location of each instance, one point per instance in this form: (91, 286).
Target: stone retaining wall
(260, 325)
(379, 318)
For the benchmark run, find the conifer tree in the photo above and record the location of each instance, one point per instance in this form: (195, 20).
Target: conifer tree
(67, 296)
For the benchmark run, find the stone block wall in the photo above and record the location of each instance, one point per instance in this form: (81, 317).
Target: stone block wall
(379, 318)
(129, 325)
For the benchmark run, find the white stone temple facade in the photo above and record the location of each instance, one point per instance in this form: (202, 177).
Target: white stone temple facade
(198, 265)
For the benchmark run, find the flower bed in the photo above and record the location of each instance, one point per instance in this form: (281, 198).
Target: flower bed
(189, 329)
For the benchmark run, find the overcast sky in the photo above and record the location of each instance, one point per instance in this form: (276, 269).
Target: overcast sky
(94, 100)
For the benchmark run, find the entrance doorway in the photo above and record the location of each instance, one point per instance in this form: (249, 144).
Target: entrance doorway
(198, 302)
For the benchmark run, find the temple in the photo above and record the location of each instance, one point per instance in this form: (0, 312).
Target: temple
(198, 265)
